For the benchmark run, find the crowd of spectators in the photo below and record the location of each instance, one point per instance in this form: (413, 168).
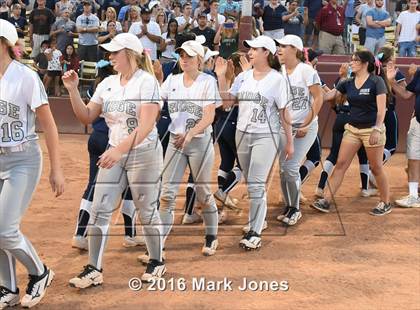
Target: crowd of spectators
(68, 31)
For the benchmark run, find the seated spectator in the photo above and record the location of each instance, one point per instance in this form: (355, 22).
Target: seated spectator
(330, 22)
(176, 10)
(50, 4)
(230, 8)
(203, 29)
(153, 7)
(293, 19)
(227, 37)
(87, 27)
(79, 8)
(17, 20)
(41, 61)
(4, 10)
(272, 18)
(111, 15)
(161, 21)
(110, 33)
(23, 4)
(62, 5)
(203, 7)
(133, 17)
(54, 69)
(215, 20)
(63, 31)
(69, 60)
(116, 4)
(123, 14)
(167, 46)
(40, 21)
(185, 20)
(377, 20)
(406, 32)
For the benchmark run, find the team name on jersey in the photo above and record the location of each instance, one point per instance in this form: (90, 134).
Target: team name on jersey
(9, 109)
(120, 106)
(185, 106)
(255, 97)
(364, 92)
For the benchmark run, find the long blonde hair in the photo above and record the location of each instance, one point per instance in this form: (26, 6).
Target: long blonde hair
(140, 61)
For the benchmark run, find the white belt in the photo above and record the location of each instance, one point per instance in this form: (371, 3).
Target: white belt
(12, 149)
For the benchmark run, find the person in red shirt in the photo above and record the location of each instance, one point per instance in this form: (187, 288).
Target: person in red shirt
(330, 22)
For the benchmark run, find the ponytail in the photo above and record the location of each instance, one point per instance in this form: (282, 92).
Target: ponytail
(140, 61)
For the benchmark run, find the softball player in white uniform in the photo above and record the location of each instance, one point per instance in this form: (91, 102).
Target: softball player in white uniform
(304, 97)
(22, 98)
(129, 102)
(261, 94)
(192, 97)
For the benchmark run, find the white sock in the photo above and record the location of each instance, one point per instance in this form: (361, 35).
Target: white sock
(413, 188)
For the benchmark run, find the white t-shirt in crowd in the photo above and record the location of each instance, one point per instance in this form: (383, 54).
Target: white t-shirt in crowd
(21, 92)
(152, 28)
(54, 64)
(259, 101)
(186, 104)
(299, 98)
(181, 20)
(121, 104)
(170, 48)
(408, 23)
(220, 20)
(104, 25)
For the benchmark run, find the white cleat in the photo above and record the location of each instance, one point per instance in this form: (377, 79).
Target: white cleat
(8, 298)
(210, 246)
(250, 241)
(37, 287)
(246, 228)
(154, 270)
(90, 276)
(408, 202)
(369, 192)
(79, 242)
(130, 242)
(191, 219)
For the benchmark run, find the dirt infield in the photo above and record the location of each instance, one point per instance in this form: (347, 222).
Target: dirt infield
(342, 260)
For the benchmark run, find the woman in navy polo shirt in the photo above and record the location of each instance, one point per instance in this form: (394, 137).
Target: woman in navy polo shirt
(272, 18)
(367, 96)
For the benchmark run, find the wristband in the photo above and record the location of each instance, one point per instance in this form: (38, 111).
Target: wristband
(377, 128)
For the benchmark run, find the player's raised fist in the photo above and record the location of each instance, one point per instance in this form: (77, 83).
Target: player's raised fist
(70, 80)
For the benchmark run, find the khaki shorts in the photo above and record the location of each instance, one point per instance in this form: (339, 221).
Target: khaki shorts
(413, 140)
(355, 135)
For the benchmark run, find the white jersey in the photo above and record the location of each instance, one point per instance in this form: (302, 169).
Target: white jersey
(21, 92)
(259, 101)
(299, 97)
(121, 104)
(186, 104)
